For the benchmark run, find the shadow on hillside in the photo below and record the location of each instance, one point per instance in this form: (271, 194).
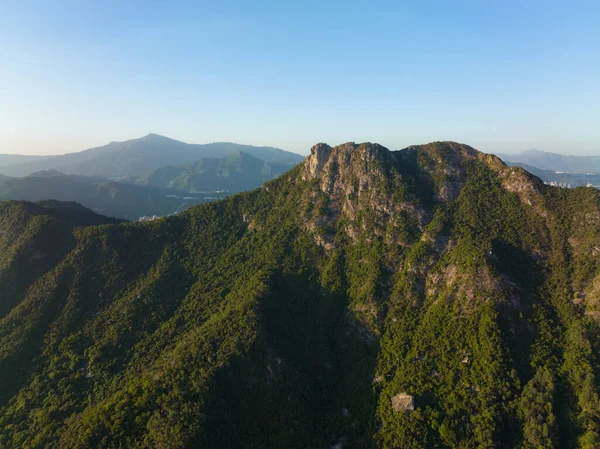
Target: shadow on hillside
(307, 382)
(522, 280)
(517, 267)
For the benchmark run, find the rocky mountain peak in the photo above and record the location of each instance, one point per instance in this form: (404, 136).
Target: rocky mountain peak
(319, 155)
(346, 162)
(368, 180)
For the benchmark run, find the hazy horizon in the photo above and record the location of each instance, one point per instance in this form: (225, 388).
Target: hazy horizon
(501, 77)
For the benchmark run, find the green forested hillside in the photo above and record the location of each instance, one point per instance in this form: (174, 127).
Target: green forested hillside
(289, 316)
(234, 173)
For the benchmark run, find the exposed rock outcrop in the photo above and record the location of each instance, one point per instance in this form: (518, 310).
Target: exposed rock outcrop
(319, 155)
(403, 402)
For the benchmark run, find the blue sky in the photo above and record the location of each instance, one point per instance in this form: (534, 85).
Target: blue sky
(500, 75)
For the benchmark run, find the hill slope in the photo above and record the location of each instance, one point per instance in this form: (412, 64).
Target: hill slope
(293, 315)
(106, 197)
(235, 173)
(139, 156)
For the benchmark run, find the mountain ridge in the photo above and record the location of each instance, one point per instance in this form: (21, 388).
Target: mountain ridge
(138, 156)
(233, 173)
(294, 314)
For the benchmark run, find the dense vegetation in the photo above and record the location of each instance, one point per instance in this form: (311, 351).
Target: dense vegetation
(234, 173)
(289, 316)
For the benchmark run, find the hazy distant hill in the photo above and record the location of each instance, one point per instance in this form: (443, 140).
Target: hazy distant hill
(4, 178)
(554, 161)
(106, 197)
(163, 191)
(561, 179)
(139, 156)
(234, 173)
(12, 159)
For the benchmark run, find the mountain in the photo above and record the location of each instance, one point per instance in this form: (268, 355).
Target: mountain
(106, 197)
(562, 179)
(555, 162)
(428, 297)
(12, 159)
(139, 156)
(4, 178)
(234, 173)
(48, 174)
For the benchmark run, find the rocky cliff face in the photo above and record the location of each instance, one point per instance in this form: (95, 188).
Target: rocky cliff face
(352, 179)
(361, 181)
(348, 168)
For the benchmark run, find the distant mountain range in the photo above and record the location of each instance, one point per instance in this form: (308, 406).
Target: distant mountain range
(561, 179)
(153, 175)
(136, 157)
(234, 173)
(165, 190)
(554, 161)
(12, 159)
